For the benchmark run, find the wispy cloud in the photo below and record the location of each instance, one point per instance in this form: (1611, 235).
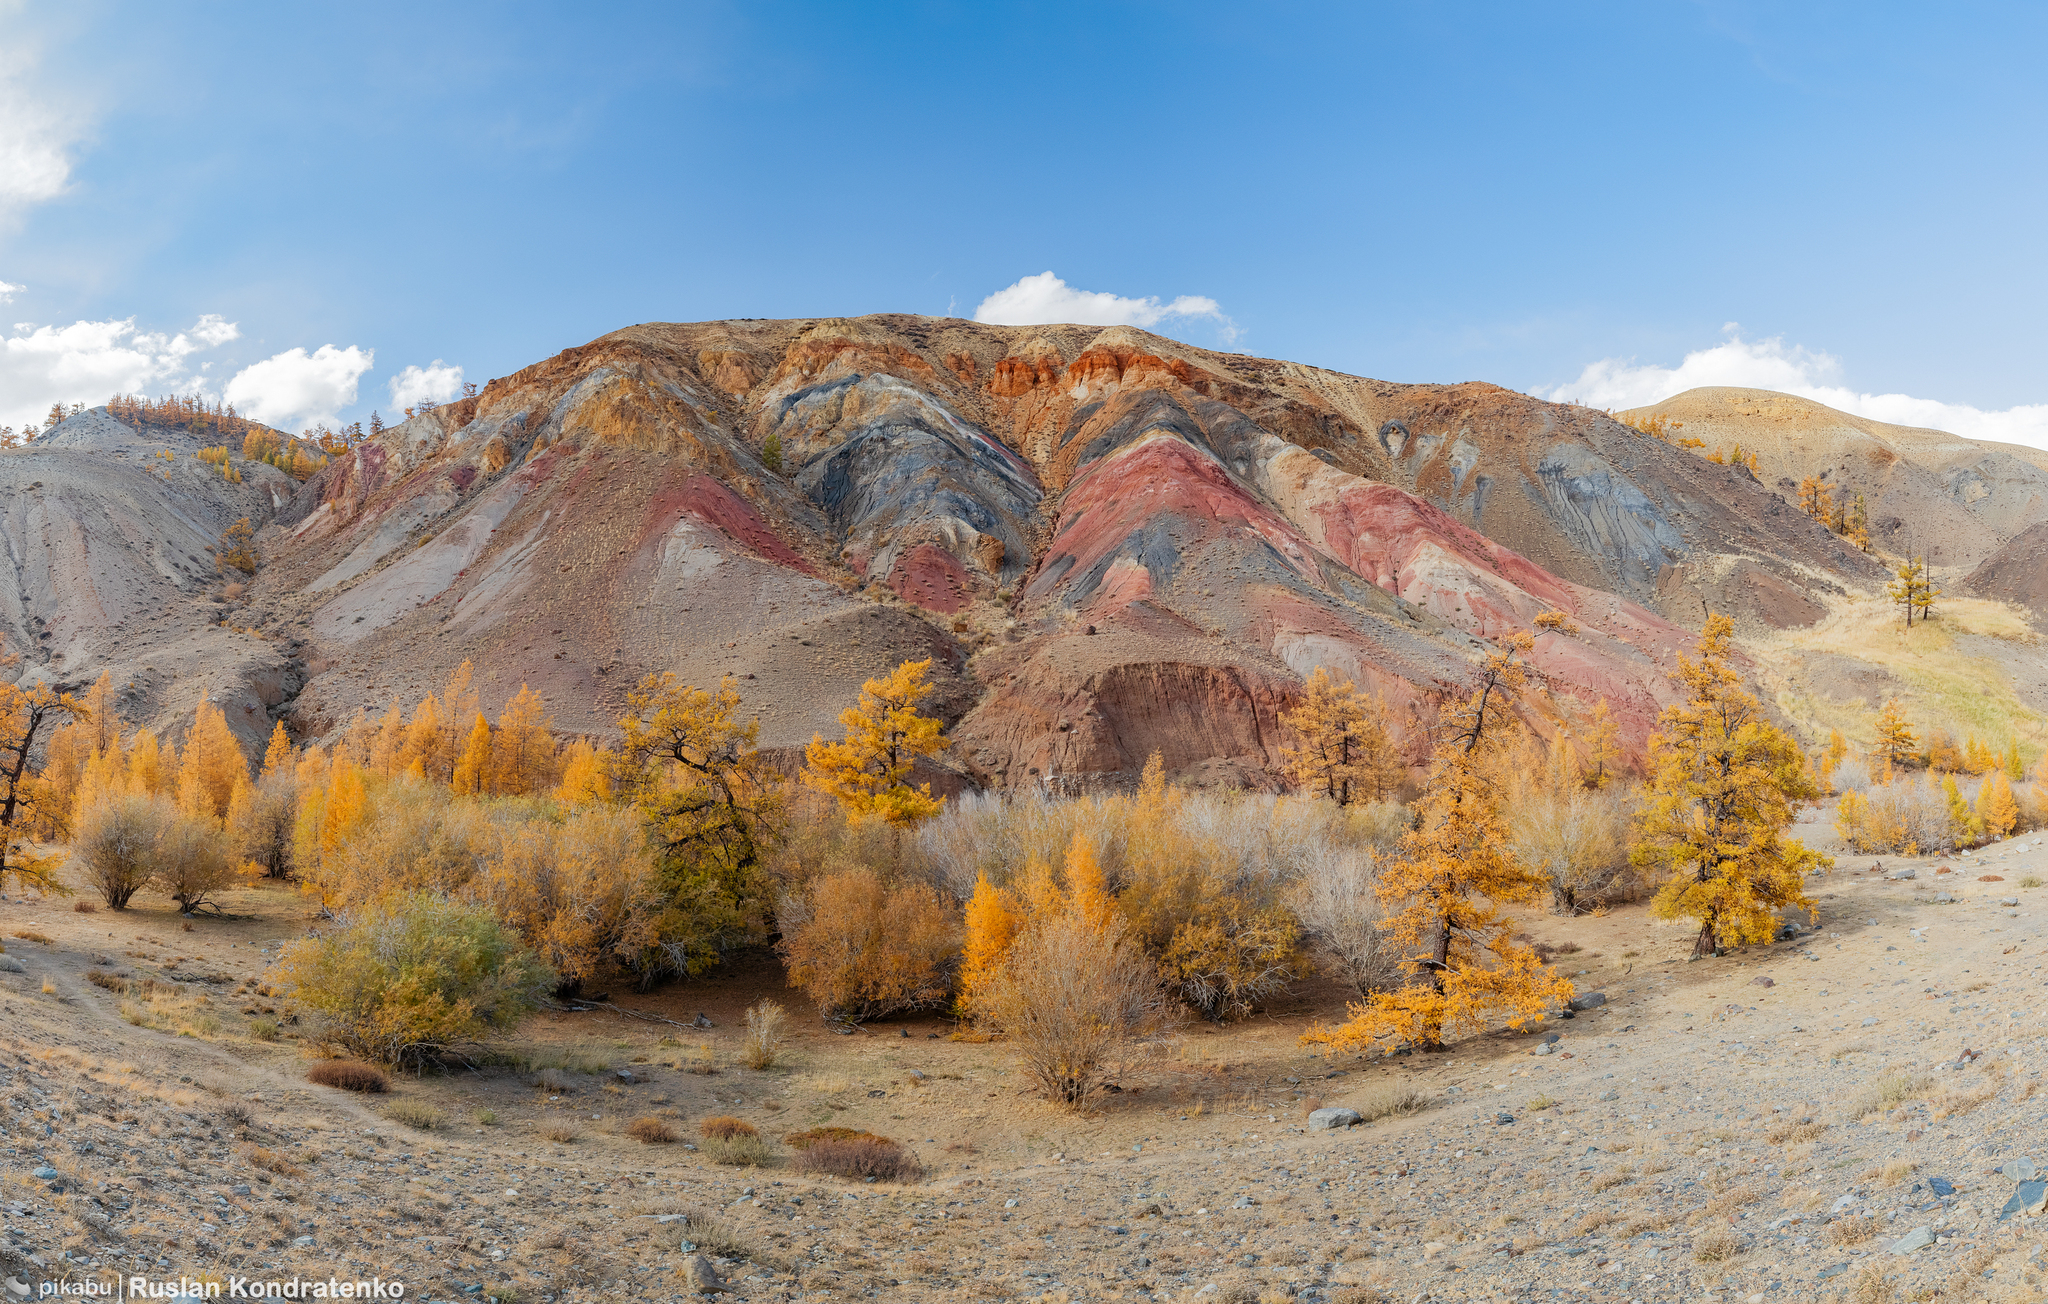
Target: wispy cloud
(1791, 369)
(1045, 300)
(38, 130)
(89, 361)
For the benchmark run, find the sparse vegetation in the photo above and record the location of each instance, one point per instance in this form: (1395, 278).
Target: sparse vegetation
(649, 1130)
(763, 1042)
(415, 1114)
(859, 1157)
(349, 1075)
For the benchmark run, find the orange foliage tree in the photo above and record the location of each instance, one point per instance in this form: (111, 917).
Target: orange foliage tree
(1724, 786)
(1345, 752)
(1441, 895)
(869, 772)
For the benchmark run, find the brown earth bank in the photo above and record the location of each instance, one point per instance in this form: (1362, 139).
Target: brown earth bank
(1769, 1122)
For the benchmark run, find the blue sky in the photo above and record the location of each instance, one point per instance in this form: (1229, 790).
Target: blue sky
(1606, 201)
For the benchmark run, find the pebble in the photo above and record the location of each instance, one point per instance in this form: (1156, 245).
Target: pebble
(1764, 982)
(1917, 1239)
(700, 1276)
(303, 1242)
(1944, 898)
(1503, 1119)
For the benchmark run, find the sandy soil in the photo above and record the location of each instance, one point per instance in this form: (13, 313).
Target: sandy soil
(1708, 1133)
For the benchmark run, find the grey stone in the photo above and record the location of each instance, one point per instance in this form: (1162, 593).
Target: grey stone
(1908, 872)
(2019, 1170)
(1547, 1048)
(1846, 1202)
(1870, 1022)
(700, 1276)
(1944, 898)
(45, 1173)
(1243, 1202)
(2031, 1197)
(1761, 981)
(1917, 1239)
(241, 1190)
(303, 1241)
(1503, 1119)
(1833, 1270)
(8, 964)
(1589, 1001)
(1610, 1094)
(2008, 901)
(1332, 1118)
(1941, 1186)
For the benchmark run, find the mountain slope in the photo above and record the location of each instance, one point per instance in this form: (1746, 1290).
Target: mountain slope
(107, 533)
(1109, 542)
(1956, 499)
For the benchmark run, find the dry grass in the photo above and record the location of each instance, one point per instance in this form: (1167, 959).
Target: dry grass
(699, 1060)
(763, 1042)
(1961, 1102)
(1391, 1100)
(1609, 1180)
(743, 1150)
(1794, 1133)
(271, 1162)
(1722, 1206)
(348, 1075)
(1891, 1090)
(649, 1130)
(31, 935)
(414, 1114)
(85, 907)
(1716, 1245)
(1898, 1171)
(561, 1134)
(1851, 1231)
(1870, 1287)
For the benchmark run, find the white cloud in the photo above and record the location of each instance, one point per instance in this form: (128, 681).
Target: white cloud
(90, 361)
(7, 292)
(1770, 364)
(36, 137)
(298, 389)
(432, 385)
(1045, 300)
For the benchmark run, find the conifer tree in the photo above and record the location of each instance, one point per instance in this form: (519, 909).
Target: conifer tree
(1345, 753)
(586, 775)
(27, 714)
(473, 767)
(1815, 499)
(2015, 770)
(869, 773)
(211, 760)
(523, 750)
(992, 923)
(1599, 758)
(1896, 744)
(1724, 785)
(1912, 591)
(1442, 894)
(1857, 530)
(277, 758)
(145, 764)
(1964, 824)
(1996, 809)
(1837, 752)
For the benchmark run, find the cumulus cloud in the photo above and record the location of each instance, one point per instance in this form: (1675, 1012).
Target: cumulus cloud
(432, 385)
(90, 361)
(1045, 300)
(298, 389)
(1771, 364)
(7, 292)
(36, 137)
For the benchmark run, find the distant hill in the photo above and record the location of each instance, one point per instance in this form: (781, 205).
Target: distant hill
(1956, 499)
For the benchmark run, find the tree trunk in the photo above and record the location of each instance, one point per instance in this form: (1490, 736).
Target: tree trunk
(1704, 944)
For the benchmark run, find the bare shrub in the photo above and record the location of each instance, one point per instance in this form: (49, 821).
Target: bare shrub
(725, 1127)
(1340, 917)
(114, 842)
(1576, 838)
(763, 1041)
(261, 826)
(560, 1133)
(1071, 997)
(859, 1157)
(349, 1075)
(1789, 1133)
(649, 1130)
(271, 1162)
(190, 862)
(1392, 1100)
(84, 907)
(861, 948)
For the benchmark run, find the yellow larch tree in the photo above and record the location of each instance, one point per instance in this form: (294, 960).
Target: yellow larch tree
(146, 764)
(1996, 807)
(586, 775)
(1441, 896)
(992, 923)
(209, 764)
(1815, 499)
(278, 757)
(869, 772)
(27, 714)
(387, 745)
(473, 768)
(1724, 785)
(1599, 753)
(1345, 753)
(1837, 752)
(2015, 769)
(1896, 743)
(523, 751)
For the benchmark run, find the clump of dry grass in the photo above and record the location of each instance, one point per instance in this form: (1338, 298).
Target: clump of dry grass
(1729, 1203)
(85, 907)
(763, 1043)
(1790, 1133)
(859, 1157)
(349, 1075)
(1716, 1245)
(699, 1060)
(1870, 1287)
(1609, 1180)
(112, 982)
(649, 1130)
(1961, 1102)
(414, 1114)
(1853, 1230)
(271, 1162)
(1392, 1100)
(560, 1133)
(1891, 1090)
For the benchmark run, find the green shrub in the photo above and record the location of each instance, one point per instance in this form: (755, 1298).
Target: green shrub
(409, 981)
